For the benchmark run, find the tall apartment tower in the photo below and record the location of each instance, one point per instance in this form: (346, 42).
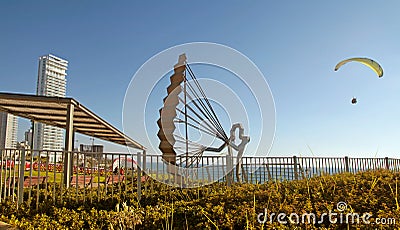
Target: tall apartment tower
(51, 82)
(8, 130)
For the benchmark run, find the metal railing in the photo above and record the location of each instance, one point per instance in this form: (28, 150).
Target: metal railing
(35, 176)
(27, 175)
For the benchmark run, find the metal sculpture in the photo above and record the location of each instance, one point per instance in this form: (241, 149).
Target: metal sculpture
(187, 105)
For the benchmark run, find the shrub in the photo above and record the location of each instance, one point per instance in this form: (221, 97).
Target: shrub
(217, 206)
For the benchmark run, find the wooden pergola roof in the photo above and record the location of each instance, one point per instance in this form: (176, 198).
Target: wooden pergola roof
(53, 111)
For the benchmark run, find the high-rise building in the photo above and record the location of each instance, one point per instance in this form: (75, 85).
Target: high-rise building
(8, 130)
(28, 137)
(51, 82)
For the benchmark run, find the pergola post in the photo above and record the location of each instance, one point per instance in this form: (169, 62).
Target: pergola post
(69, 138)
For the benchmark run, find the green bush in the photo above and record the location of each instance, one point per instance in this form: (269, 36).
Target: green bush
(217, 206)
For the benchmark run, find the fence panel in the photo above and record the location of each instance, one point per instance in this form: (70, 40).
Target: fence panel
(40, 174)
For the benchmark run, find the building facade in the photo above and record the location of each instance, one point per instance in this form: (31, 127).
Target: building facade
(91, 148)
(95, 151)
(8, 130)
(28, 137)
(51, 82)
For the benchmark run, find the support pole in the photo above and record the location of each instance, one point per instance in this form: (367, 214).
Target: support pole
(144, 169)
(21, 177)
(239, 170)
(295, 168)
(69, 138)
(186, 121)
(139, 173)
(387, 163)
(229, 167)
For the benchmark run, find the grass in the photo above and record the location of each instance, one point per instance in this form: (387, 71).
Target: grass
(56, 177)
(217, 206)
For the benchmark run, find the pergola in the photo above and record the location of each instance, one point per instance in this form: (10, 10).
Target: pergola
(66, 113)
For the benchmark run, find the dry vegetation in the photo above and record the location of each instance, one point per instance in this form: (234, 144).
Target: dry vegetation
(220, 207)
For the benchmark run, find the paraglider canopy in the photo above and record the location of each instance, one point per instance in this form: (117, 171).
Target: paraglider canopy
(366, 61)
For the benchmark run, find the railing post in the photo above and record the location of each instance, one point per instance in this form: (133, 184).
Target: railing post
(346, 161)
(387, 163)
(21, 177)
(229, 167)
(296, 173)
(144, 169)
(139, 173)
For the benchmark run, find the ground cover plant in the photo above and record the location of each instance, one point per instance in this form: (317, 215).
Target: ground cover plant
(241, 206)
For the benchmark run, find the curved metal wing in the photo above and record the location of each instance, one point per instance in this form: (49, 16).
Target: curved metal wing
(168, 112)
(366, 61)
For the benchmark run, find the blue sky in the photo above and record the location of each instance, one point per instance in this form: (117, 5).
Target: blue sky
(295, 44)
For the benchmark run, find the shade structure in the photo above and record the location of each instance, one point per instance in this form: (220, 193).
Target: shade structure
(53, 111)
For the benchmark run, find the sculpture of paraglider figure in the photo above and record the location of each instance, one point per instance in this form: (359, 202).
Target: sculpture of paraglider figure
(354, 101)
(182, 155)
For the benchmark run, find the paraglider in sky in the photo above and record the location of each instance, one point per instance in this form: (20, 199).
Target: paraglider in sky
(366, 61)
